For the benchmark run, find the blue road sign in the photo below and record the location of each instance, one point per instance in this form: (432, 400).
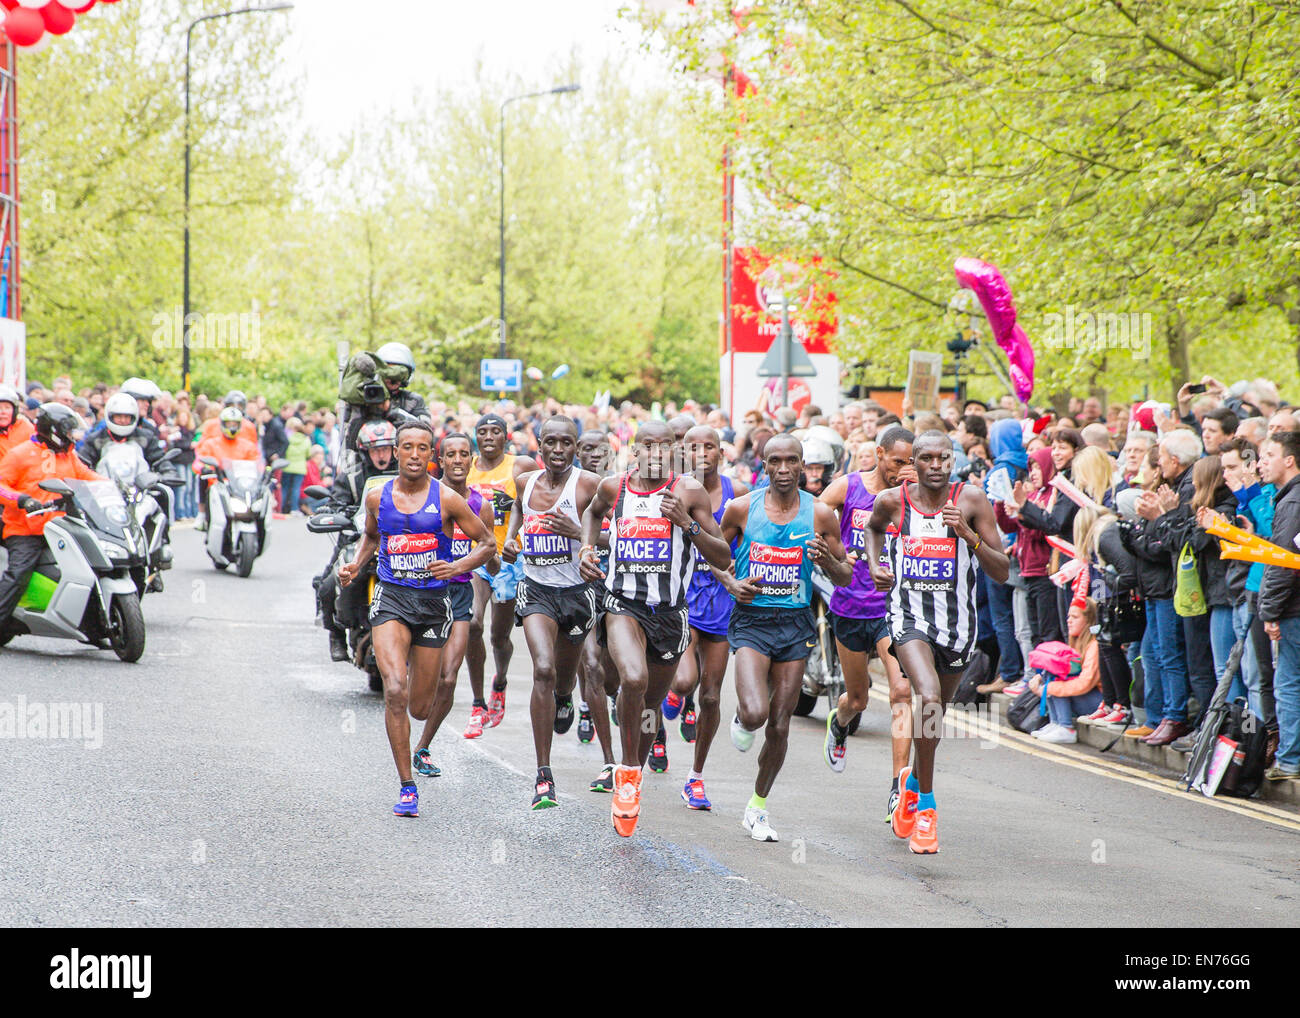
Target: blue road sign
(497, 375)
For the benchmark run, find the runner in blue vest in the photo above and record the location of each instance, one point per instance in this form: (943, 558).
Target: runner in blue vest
(705, 662)
(782, 531)
(410, 522)
(456, 457)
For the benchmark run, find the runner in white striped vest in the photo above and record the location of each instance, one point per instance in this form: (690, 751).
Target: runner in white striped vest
(944, 530)
(657, 516)
(553, 599)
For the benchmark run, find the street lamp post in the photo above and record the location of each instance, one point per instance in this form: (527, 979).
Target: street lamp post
(185, 299)
(501, 223)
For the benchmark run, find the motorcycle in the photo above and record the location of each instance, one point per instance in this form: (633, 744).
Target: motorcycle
(239, 507)
(145, 495)
(822, 674)
(83, 588)
(347, 525)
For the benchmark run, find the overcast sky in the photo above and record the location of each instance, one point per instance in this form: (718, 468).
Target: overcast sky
(363, 56)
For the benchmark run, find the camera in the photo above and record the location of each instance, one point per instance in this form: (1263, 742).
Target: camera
(374, 392)
(973, 467)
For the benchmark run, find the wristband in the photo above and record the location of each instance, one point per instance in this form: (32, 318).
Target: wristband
(976, 546)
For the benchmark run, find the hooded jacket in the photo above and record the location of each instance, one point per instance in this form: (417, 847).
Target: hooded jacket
(1031, 548)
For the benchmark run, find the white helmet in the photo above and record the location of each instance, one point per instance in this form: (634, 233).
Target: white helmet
(828, 435)
(397, 353)
(817, 453)
(121, 404)
(141, 388)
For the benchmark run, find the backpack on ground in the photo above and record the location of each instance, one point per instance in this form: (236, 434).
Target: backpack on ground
(976, 674)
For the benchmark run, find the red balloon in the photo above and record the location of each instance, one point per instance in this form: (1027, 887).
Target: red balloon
(58, 19)
(24, 26)
(9, 5)
(79, 8)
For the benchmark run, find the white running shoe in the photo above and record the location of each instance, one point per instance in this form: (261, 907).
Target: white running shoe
(741, 738)
(756, 823)
(1058, 734)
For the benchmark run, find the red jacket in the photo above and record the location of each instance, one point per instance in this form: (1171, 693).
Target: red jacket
(1032, 551)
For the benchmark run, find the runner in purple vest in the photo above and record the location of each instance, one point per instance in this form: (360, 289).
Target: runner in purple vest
(859, 611)
(457, 456)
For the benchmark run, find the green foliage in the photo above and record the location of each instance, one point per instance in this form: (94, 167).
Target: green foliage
(1109, 158)
(612, 196)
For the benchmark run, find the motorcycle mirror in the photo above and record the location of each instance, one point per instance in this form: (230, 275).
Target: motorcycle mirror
(279, 464)
(169, 455)
(316, 491)
(208, 461)
(55, 486)
(148, 479)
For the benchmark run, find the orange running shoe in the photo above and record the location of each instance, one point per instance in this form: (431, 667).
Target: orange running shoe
(903, 820)
(475, 727)
(496, 708)
(626, 807)
(925, 838)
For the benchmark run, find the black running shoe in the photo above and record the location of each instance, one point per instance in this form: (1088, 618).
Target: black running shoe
(544, 796)
(613, 710)
(689, 720)
(659, 754)
(604, 781)
(563, 714)
(586, 727)
(893, 803)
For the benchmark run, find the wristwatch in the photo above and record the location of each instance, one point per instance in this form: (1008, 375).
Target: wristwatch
(694, 528)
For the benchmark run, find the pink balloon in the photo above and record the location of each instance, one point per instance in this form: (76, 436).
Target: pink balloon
(995, 298)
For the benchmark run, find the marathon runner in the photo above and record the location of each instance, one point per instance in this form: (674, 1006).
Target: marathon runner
(495, 476)
(456, 456)
(553, 599)
(680, 425)
(597, 677)
(657, 513)
(705, 661)
(859, 612)
(783, 531)
(409, 521)
(945, 531)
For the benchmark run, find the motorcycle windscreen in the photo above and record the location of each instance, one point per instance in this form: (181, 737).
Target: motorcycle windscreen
(242, 476)
(102, 503)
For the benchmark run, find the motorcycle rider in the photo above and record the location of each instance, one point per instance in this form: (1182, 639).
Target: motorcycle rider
(50, 454)
(377, 442)
(248, 430)
(401, 402)
(225, 446)
(819, 464)
(121, 424)
(145, 392)
(15, 429)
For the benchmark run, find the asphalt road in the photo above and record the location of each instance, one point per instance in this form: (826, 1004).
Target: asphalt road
(244, 779)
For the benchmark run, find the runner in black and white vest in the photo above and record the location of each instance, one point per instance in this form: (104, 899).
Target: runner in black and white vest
(657, 516)
(554, 600)
(945, 532)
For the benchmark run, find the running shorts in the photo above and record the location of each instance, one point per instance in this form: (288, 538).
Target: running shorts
(667, 630)
(780, 634)
(425, 612)
(572, 608)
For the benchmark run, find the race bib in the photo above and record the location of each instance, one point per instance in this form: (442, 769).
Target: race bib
(644, 544)
(460, 542)
(928, 563)
(411, 556)
(543, 547)
(777, 571)
(858, 521)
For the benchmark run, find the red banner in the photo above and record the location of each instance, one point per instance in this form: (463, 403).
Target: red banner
(756, 305)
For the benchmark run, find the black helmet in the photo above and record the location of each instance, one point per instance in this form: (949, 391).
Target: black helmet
(235, 398)
(57, 426)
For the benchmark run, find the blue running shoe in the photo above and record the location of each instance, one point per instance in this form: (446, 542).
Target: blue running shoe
(408, 803)
(424, 764)
(694, 797)
(672, 706)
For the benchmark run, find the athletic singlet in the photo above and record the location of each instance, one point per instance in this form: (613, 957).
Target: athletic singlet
(498, 486)
(460, 542)
(860, 599)
(649, 561)
(409, 543)
(775, 554)
(934, 579)
(549, 558)
(702, 577)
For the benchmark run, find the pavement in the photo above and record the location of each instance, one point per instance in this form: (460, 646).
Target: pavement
(243, 779)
